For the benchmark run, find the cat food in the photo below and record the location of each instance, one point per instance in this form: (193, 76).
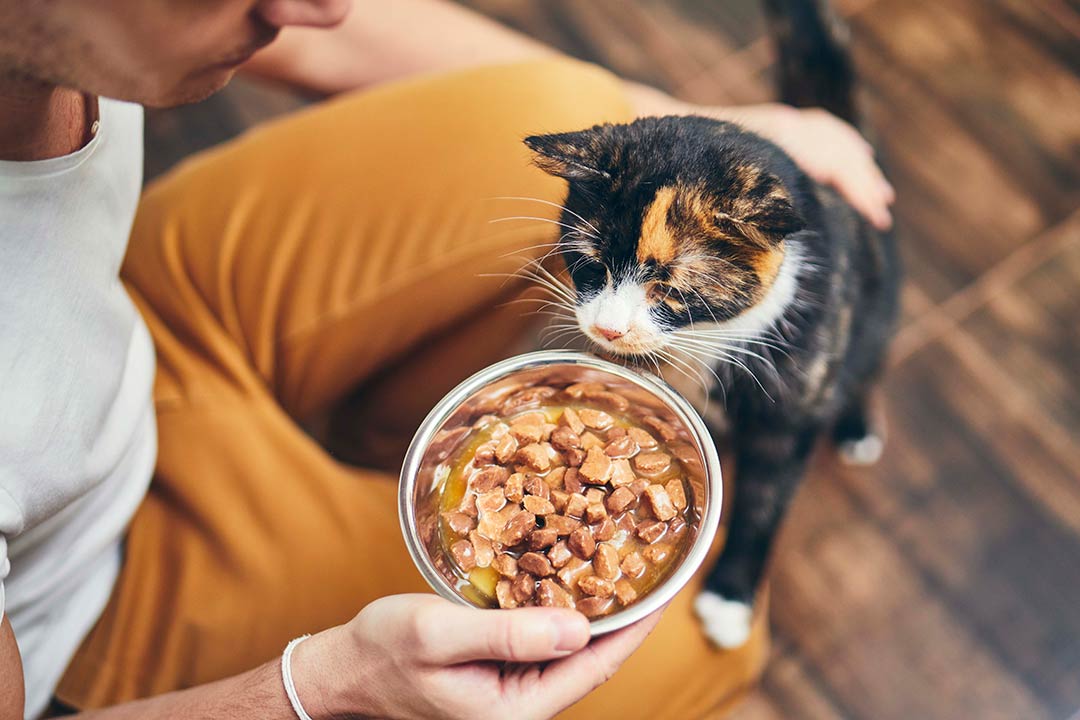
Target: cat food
(565, 499)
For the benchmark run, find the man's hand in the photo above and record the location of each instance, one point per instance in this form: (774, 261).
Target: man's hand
(828, 149)
(419, 656)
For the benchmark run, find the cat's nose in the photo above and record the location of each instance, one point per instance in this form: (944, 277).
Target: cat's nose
(608, 333)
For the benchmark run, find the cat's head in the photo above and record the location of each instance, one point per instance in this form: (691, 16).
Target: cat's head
(676, 222)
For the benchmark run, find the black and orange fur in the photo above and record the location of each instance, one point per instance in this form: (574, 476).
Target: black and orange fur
(704, 213)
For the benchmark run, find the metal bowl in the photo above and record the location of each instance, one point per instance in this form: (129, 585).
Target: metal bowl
(452, 419)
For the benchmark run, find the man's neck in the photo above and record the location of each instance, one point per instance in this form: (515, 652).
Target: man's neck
(39, 120)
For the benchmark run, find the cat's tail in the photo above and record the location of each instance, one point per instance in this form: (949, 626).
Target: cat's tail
(815, 66)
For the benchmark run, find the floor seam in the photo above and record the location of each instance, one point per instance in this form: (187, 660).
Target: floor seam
(943, 316)
(1019, 407)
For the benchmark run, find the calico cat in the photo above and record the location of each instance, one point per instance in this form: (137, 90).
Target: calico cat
(697, 243)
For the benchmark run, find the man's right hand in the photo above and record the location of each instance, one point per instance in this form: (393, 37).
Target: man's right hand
(420, 656)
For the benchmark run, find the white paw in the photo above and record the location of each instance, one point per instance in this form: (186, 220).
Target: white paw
(864, 451)
(726, 622)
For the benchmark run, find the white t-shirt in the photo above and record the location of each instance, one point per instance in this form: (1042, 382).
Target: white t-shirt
(77, 430)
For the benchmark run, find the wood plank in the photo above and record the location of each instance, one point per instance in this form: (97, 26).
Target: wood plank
(643, 41)
(925, 322)
(874, 626)
(1032, 330)
(735, 23)
(1001, 84)
(633, 45)
(974, 501)
(549, 22)
(959, 210)
(982, 164)
(758, 706)
(789, 689)
(739, 81)
(1051, 24)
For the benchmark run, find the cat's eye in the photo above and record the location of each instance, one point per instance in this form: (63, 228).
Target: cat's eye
(664, 297)
(657, 292)
(588, 273)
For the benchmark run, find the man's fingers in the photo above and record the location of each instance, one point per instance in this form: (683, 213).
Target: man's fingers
(448, 634)
(889, 190)
(879, 192)
(861, 181)
(566, 681)
(871, 207)
(863, 185)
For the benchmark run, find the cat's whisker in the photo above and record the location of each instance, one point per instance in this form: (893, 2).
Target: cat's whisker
(557, 337)
(676, 362)
(671, 362)
(771, 344)
(721, 355)
(555, 205)
(572, 228)
(544, 303)
(520, 252)
(580, 261)
(730, 350)
(556, 288)
(555, 334)
(709, 368)
(689, 314)
(725, 347)
(548, 309)
(567, 244)
(651, 357)
(705, 365)
(738, 333)
(707, 278)
(540, 284)
(543, 277)
(707, 306)
(539, 270)
(553, 326)
(776, 344)
(558, 332)
(555, 316)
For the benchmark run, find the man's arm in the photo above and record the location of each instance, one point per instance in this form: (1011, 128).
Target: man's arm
(255, 694)
(380, 42)
(407, 656)
(12, 700)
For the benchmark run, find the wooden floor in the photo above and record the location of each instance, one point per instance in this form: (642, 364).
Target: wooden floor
(945, 582)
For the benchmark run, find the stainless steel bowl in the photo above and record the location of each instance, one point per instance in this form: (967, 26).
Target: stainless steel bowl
(451, 421)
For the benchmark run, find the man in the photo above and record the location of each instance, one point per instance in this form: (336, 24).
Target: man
(324, 253)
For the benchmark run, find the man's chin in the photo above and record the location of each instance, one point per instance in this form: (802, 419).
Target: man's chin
(193, 89)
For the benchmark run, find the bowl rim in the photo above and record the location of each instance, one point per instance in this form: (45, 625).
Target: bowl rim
(685, 412)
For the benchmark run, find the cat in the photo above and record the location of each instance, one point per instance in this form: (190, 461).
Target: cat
(698, 243)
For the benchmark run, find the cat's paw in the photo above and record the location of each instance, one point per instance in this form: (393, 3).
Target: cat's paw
(725, 622)
(864, 451)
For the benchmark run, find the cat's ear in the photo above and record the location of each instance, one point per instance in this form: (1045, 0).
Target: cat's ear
(777, 217)
(767, 225)
(572, 155)
(762, 212)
